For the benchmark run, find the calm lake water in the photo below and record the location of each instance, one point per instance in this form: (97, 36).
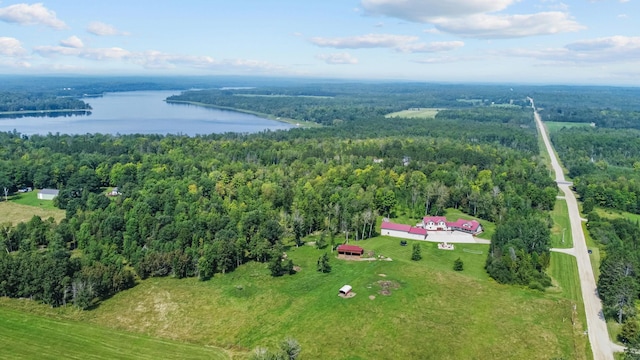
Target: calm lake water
(143, 112)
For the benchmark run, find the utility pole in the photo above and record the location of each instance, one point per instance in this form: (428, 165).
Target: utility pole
(6, 192)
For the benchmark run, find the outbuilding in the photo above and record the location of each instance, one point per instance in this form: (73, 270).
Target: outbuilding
(349, 251)
(48, 194)
(345, 290)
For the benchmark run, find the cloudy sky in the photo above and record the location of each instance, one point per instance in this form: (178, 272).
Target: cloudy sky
(521, 41)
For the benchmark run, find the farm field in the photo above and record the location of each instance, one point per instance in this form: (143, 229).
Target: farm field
(23, 206)
(431, 312)
(418, 113)
(553, 126)
(28, 336)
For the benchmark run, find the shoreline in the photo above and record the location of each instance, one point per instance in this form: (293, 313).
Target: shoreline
(300, 124)
(28, 112)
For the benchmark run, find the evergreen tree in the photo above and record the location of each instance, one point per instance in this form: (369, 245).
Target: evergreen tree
(323, 264)
(288, 267)
(322, 241)
(458, 265)
(275, 266)
(630, 330)
(416, 254)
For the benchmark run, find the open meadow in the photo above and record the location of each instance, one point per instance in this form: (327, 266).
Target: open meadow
(553, 126)
(431, 311)
(23, 206)
(418, 113)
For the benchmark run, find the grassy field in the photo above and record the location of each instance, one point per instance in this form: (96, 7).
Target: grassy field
(22, 207)
(419, 113)
(561, 224)
(433, 312)
(28, 336)
(553, 126)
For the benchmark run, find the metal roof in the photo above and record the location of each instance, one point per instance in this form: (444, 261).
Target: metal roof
(49, 191)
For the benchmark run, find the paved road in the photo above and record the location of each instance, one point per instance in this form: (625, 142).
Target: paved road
(596, 325)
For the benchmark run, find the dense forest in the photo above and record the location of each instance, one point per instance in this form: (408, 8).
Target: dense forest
(197, 206)
(12, 101)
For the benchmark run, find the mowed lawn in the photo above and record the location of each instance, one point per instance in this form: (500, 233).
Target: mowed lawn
(432, 312)
(23, 206)
(561, 231)
(419, 113)
(28, 336)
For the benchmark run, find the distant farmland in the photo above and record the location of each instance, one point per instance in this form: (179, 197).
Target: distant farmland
(415, 113)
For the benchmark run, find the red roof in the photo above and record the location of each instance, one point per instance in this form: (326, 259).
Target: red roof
(393, 226)
(350, 249)
(417, 230)
(435, 219)
(470, 225)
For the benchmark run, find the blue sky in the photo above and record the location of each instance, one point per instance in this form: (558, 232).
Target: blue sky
(541, 41)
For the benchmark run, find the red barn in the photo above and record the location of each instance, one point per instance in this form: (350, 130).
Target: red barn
(346, 251)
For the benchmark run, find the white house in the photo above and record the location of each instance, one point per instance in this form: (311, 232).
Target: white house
(48, 194)
(429, 223)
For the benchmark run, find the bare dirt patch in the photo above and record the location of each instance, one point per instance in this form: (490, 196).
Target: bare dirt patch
(347, 296)
(372, 297)
(383, 275)
(386, 286)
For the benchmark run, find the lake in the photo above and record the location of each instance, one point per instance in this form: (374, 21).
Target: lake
(141, 112)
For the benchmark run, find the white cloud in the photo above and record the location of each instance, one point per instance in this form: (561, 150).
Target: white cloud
(365, 41)
(34, 14)
(102, 29)
(98, 54)
(431, 31)
(400, 43)
(11, 47)
(613, 49)
(623, 16)
(608, 44)
(474, 18)
(426, 10)
(436, 46)
(153, 59)
(338, 58)
(445, 59)
(484, 26)
(72, 42)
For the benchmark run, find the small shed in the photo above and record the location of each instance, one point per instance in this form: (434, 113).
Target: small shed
(350, 250)
(48, 194)
(345, 290)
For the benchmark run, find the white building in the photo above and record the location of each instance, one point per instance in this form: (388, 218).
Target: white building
(48, 194)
